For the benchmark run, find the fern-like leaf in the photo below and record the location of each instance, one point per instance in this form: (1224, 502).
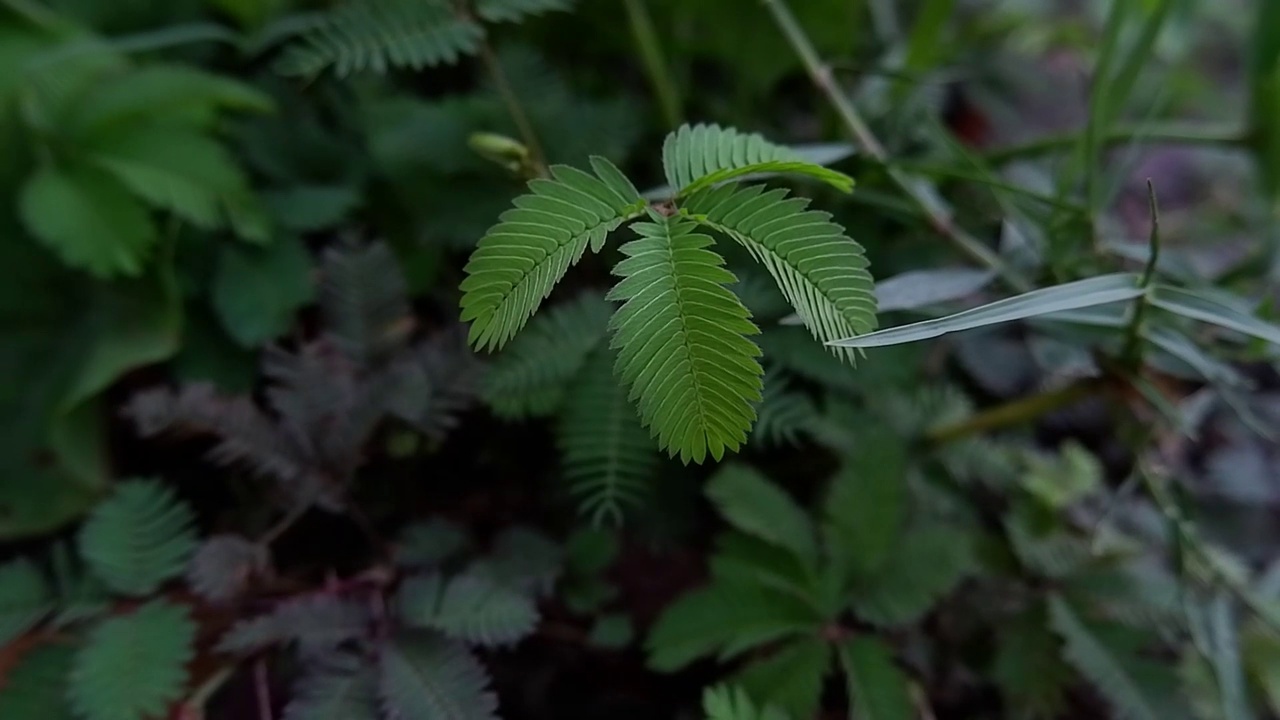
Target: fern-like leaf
(699, 156)
(24, 599)
(608, 457)
(340, 686)
(223, 566)
(364, 301)
(473, 607)
(139, 537)
(516, 10)
(730, 702)
(821, 270)
(784, 414)
(1137, 687)
(379, 35)
(526, 559)
(36, 687)
(427, 676)
(530, 377)
(1029, 668)
(682, 341)
(435, 383)
(519, 261)
(867, 503)
(315, 622)
(133, 666)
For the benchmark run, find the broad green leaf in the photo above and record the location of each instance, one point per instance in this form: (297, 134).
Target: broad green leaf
(89, 219)
(1215, 308)
(756, 506)
(1071, 296)
(179, 94)
(427, 676)
(791, 678)
(36, 687)
(1029, 669)
(926, 565)
(730, 702)
(24, 598)
(877, 687)
(257, 292)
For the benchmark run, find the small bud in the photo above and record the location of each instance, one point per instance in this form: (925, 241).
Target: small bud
(499, 148)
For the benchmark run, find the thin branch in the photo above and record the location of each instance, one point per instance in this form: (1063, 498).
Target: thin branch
(1131, 355)
(1229, 136)
(1016, 412)
(262, 689)
(939, 218)
(514, 108)
(655, 64)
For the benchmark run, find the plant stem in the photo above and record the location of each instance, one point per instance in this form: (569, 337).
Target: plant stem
(1175, 134)
(1015, 412)
(1132, 353)
(655, 64)
(938, 217)
(514, 108)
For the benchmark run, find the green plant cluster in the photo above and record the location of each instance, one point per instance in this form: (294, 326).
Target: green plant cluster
(398, 359)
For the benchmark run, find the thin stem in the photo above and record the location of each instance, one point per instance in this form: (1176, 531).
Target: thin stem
(193, 707)
(514, 108)
(286, 522)
(1173, 134)
(1132, 353)
(262, 689)
(938, 217)
(1015, 413)
(655, 64)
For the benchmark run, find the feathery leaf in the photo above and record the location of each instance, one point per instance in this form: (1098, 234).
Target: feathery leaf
(516, 10)
(473, 607)
(867, 503)
(699, 156)
(315, 622)
(426, 676)
(608, 457)
(820, 269)
(530, 376)
(682, 341)
(926, 566)
(36, 687)
(364, 301)
(340, 686)
(431, 542)
(139, 537)
(223, 565)
(379, 35)
(133, 666)
(519, 261)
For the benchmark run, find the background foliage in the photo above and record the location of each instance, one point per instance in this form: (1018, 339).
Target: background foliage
(276, 441)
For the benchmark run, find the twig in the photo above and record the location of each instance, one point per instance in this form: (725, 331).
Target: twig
(286, 522)
(938, 217)
(1131, 355)
(262, 689)
(655, 64)
(193, 707)
(514, 108)
(1174, 134)
(1016, 412)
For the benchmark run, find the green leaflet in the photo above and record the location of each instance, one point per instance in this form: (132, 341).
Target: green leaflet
(379, 35)
(341, 686)
(139, 537)
(258, 291)
(758, 507)
(520, 260)
(731, 702)
(426, 676)
(700, 156)
(681, 340)
(133, 666)
(24, 598)
(607, 456)
(791, 678)
(473, 607)
(821, 271)
(89, 219)
(877, 688)
(37, 686)
(517, 10)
